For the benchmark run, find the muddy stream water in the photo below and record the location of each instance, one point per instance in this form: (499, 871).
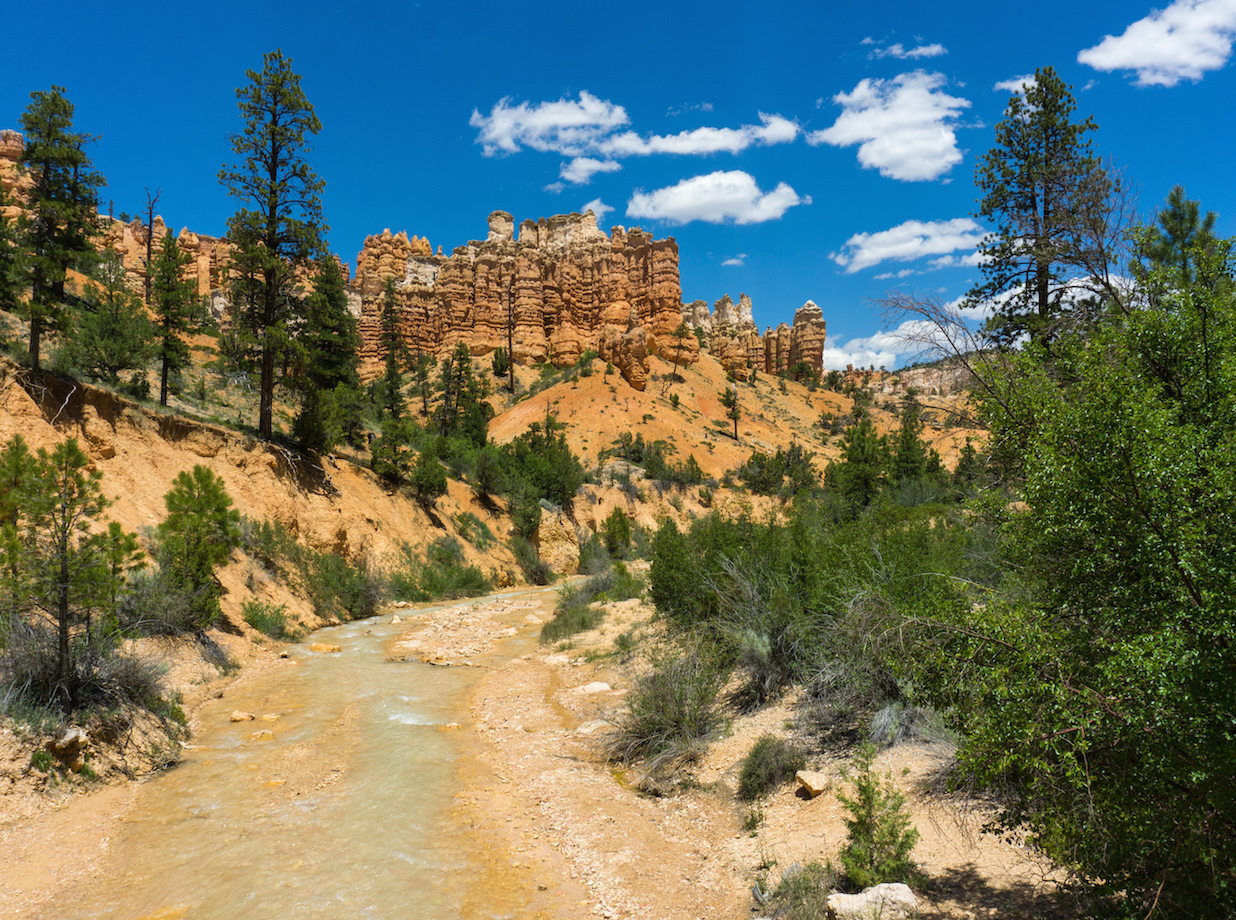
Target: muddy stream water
(335, 801)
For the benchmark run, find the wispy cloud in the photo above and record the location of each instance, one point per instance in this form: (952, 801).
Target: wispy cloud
(1180, 42)
(902, 53)
(682, 109)
(740, 259)
(903, 126)
(716, 198)
(914, 239)
(773, 130)
(1017, 85)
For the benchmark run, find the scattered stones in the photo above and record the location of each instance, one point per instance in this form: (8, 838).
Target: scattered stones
(396, 619)
(239, 715)
(813, 783)
(264, 735)
(883, 902)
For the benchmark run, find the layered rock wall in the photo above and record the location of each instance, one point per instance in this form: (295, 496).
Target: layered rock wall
(562, 287)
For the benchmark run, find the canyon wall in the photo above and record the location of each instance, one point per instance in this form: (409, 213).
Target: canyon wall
(558, 289)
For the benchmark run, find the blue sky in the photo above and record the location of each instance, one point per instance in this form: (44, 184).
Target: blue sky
(795, 150)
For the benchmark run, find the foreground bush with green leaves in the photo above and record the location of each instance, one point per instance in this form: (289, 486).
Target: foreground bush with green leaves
(1072, 629)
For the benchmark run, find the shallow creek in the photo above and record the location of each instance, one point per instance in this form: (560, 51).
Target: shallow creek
(335, 801)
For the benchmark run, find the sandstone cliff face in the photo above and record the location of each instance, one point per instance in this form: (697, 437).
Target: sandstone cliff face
(562, 286)
(735, 341)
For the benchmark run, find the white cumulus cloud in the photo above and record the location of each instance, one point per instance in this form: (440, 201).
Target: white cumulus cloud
(903, 126)
(1180, 42)
(914, 239)
(715, 198)
(888, 348)
(587, 128)
(570, 127)
(580, 170)
(740, 259)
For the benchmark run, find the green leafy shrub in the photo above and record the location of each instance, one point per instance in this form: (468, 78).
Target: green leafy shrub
(771, 762)
(877, 848)
(160, 603)
(616, 532)
(441, 572)
(573, 614)
(473, 529)
(427, 479)
(593, 557)
(340, 589)
(269, 619)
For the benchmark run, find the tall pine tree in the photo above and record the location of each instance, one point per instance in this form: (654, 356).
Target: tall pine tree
(330, 347)
(1048, 197)
(61, 218)
(178, 310)
(279, 226)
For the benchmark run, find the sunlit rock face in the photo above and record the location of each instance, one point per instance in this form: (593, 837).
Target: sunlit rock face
(557, 288)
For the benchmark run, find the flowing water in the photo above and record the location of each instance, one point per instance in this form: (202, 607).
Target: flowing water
(343, 810)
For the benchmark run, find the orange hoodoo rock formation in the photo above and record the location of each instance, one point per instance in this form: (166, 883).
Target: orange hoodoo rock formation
(735, 340)
(562, 287)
